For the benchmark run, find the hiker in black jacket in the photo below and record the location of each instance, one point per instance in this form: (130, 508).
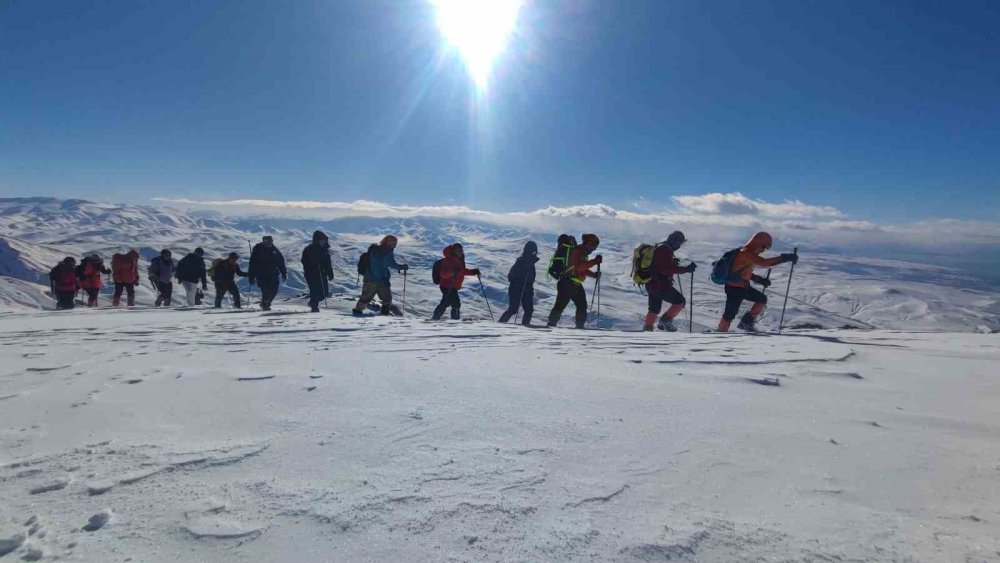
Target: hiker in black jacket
(190, 271)
(224, 275)
(522, 285)
(267, 265)
(317, 268)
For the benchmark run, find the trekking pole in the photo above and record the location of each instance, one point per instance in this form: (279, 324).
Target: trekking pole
(483, 289)
(691, 305)
(249, 300)
(404, 289)
(781, 322)
(598, 295)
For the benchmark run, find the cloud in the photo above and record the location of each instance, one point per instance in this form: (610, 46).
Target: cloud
(736, 203)
(715, 218)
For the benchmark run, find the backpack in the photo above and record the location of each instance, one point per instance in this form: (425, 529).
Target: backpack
(559, 264)
(215, 263)
(80, 270)
(436, 271)
(722, 269)
(642, 263)
(365, 261)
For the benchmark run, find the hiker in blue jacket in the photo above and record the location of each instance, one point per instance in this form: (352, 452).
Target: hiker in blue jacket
(522, 285)
(376, 282)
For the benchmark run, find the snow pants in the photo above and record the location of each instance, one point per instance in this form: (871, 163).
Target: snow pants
(567, 290)
(128, 288)
(165, 290)
(268, 290)
(519, 296)
(735, 297)
(368, 292)
(449, 298)
(670, 295)
(64, 299)
(222, 288)
(317, 290)
(92, 294)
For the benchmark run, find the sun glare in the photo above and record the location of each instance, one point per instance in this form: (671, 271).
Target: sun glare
(479, 29)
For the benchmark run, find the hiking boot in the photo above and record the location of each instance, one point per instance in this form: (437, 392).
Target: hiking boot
(747, 323)
(314, 309)
(357, 313)
(647, 328)
(667, 325)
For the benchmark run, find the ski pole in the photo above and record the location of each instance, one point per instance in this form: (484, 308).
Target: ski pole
(483, 289)
(781, 322)
(691, 305)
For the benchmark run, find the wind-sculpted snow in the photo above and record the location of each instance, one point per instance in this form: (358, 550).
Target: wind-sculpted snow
(829, 291)
(225, 436)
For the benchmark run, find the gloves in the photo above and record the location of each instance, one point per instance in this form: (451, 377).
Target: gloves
(404, 268)
(599, 259)
(476, 272)
(691, 267)
(597, 275)
(764, 282)
(793, 258)
(329, 277)
(252, 281)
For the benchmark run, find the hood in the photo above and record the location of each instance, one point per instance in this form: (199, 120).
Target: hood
(133, 253)
(448, 251)
(319, 236)
(759, 243)
(530, 250)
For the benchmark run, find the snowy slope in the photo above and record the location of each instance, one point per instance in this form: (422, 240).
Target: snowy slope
(830, 290)
(156, 435)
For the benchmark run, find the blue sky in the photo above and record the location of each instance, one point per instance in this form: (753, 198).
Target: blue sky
(888, 111)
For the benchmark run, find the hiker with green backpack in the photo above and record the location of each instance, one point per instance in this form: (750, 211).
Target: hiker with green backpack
(654, 268)
(570, 267)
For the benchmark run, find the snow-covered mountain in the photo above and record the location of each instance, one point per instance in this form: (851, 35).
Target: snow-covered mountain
(829, 290)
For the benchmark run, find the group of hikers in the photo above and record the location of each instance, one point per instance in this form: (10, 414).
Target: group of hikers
(654, 268)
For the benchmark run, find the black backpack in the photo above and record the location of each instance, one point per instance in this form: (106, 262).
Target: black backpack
(364, 261)
(436, 271)
(559, 264)
(80, 269)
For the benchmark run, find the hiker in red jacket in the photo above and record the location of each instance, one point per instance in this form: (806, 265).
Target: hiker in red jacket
(63, 282)
(570, 285)
(125, 274)
(661, 286)
(89, 272)
(452, 271)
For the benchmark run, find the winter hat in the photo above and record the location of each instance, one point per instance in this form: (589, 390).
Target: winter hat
(389, 240)
(591, 240)
(676, 239)
(320, 235)
(233, 255)
(69, 260)
(165, 253)
(267, 238)
(199, 251)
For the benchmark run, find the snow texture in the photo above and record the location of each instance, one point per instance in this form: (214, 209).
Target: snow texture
(472, 441)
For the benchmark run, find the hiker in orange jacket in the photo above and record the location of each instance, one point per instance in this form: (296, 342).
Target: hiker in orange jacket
(570, 285)
(739, 290)
(89, 272)
(125, 274)
(452, 272)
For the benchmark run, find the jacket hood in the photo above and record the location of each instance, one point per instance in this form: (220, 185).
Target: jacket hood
(133, 253)
(319, 236)
(530, 250)
(759, 242)
(448, 251)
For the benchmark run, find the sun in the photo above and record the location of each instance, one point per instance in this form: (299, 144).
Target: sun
(479, 29)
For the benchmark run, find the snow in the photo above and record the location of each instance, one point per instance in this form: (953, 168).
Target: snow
(204, 435)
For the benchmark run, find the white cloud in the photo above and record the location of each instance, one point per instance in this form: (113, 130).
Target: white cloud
(735, 203)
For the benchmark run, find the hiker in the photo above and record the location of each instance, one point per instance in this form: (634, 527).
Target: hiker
(125, 274)
(161, 271)
(661, 284)
(63, 282)
(522, 285)
(741, 274)
(374, 266)
(190, 271)
(89, 273)
(317, 268)
(267, 265)
(571, 278)
(449, 273)
(224, 276)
